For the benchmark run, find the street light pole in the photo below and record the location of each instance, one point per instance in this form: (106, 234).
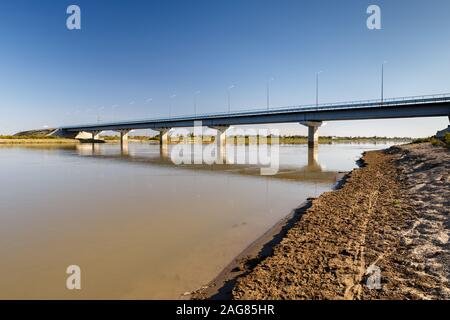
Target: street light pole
(170, 105)
(317, 88)
(268, 92)
(229, 97)
(195, 101)
(382, 81)
(149, 100)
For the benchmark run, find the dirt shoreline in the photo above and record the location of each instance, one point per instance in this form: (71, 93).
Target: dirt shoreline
(388, 222)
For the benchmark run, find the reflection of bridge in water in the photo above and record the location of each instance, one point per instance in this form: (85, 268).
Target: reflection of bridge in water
(312, 171)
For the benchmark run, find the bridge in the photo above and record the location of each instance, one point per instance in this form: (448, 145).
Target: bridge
(311, 116)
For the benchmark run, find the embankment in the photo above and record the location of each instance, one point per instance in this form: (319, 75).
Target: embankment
(389, 221)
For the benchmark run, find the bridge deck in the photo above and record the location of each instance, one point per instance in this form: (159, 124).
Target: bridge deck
(405, 107)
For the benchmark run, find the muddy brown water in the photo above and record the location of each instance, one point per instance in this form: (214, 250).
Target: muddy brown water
(139, 226)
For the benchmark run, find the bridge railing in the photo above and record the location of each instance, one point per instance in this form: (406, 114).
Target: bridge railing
(424, 99)
(341, 105)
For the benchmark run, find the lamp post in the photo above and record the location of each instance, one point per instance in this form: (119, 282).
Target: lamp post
(149, 100)
(229, 97)
(317, 89)
(382, 81)
(196, 93)
(268, 92)
(170, 104)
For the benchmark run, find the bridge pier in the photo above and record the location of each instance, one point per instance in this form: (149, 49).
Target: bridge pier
(163, 136)
(123, 136)
(221, 136)
(95, 135)
(313, 136)
(221, 143)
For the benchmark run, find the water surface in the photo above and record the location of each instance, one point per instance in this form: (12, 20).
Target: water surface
(137, 225)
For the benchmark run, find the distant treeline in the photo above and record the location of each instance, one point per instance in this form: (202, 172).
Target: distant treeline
(140, 138)
(326, 139)
(23, 137)
(230, 139)
(284, 139)
(269, 139)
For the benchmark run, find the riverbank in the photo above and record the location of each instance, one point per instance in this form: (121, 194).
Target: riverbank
(391, 216)
(58, 141)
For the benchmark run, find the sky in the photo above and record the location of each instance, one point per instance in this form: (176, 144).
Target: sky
(139, 59)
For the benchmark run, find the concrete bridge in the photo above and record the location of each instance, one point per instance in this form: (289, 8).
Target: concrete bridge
(311, 116)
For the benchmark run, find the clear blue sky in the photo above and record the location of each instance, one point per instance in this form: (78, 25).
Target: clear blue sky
(130, 51)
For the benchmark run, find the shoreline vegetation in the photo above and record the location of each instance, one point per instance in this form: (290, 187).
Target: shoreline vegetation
(44, 139)
(388, 219)
(12, 140)
(444, 142)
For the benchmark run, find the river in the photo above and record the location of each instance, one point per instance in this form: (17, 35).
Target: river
(137, 225)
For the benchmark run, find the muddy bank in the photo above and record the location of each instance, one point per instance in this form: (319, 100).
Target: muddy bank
(388, 221)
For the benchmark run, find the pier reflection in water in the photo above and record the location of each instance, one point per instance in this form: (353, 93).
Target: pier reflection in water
(226, 159)
(139, 226)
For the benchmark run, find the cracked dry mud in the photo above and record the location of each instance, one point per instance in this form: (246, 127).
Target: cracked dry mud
(391, 214)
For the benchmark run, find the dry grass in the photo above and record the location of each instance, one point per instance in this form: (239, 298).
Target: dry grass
(10, 141)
